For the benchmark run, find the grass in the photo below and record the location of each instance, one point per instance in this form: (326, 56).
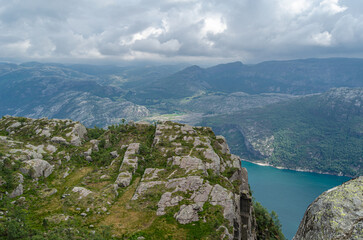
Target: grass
(125, 220)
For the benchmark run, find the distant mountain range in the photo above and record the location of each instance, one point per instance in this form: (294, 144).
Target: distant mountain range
(291, 77)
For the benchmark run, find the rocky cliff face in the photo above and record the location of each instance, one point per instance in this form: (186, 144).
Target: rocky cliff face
(143, 181)
(336, 214)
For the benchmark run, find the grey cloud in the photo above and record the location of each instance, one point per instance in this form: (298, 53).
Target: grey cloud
(246, 30)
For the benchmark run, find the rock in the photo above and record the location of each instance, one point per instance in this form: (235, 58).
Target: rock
(20, 178)
(223, 197)
(51, 148)
(188, 214)
(83, 192)
(88, 152)
(130, 159)
(215, 161)
(66, 173)
(124, 179)
(151, 174)
(144, 186)
(17, 191)
(49, 192)
(14, 125)
(335, 214)
(95, 145)
(83, 214)
(59, 140)
(78, 133)
(114, 154)
(36, 168)
(222, 145)
(167, 201)
(189, 163)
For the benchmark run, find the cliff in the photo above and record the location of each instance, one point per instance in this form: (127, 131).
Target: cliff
(133, 181)
(335, 214)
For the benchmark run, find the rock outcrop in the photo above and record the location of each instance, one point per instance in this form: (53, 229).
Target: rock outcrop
(185, 184)
(335, 214)
(140, 179)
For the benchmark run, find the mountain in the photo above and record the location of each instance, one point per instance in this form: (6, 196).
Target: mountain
(292, 77)
(46, 90)
(335, 214)
(137, 181)
(320, 133)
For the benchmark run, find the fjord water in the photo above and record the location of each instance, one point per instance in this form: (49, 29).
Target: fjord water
(288, 192)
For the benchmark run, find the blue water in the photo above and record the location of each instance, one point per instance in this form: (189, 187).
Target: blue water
(288, 192)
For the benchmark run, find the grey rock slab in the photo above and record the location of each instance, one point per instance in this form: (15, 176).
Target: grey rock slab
(188, 214)
(83, 192)
(36, 168)
(18, 191)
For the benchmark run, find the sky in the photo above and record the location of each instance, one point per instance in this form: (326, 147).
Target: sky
(212, 31)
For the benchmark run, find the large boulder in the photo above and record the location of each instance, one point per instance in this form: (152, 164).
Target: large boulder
(36, 168)
(335, 214)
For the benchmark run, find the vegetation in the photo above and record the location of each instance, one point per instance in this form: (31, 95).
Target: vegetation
(268, 224)
(322, 133)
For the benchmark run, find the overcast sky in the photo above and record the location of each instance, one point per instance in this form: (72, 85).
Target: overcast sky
(179, 30)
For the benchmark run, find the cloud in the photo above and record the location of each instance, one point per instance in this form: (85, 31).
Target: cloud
(173, 30)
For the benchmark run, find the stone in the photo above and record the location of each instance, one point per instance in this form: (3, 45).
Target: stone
(144, 186)
(189, 163)
(88, 152)
(214, 160)
(114, 154)
(167, 200)
(83, 192)
(18, 191)
(223, 197)
(151, 174)
(130, 159)
(95, 145)
(190, 183)
(188, 214)
(222, 145)
(51, 148)
(36, 168)
(78, 133)
(124, 179)
(49, 192)
(59, 140)
(335, 214)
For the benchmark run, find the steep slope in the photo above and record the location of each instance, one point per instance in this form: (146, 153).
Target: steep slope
(335, 214)
(321, 133)
(138, 181)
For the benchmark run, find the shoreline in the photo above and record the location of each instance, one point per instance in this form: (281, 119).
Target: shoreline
(265, 164)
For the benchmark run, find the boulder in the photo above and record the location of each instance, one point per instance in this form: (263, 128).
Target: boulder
(59, 140)
(36, 168)
(17, 191)
(83, 192)
(124, 179)
(335, 214)
(78, 133)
